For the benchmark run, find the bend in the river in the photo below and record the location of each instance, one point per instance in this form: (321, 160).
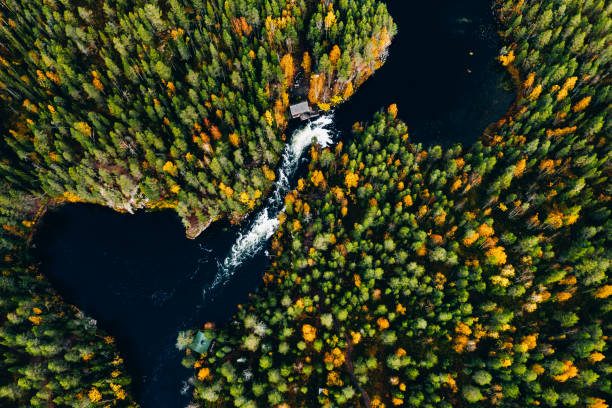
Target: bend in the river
(142, 279)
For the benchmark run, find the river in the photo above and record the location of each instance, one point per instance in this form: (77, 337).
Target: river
(144, 281)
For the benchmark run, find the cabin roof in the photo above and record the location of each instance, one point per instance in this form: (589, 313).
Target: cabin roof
(200, 343)
(299, 108)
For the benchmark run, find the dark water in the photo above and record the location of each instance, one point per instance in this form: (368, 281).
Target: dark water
(142, 279)
(444, 94)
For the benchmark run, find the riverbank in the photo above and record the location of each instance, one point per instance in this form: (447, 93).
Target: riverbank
(148, 310)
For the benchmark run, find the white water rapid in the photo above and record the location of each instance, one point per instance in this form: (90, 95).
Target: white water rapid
(263, 226)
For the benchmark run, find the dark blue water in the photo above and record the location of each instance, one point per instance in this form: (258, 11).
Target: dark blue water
(142, 279)
(443, 93)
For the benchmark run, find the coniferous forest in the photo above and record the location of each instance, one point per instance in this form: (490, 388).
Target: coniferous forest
(401, 274)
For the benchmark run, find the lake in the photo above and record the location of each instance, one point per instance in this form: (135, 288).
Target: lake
(143, 281)
(441, 72)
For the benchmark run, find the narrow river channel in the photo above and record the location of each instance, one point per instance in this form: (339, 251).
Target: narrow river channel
(144, 281)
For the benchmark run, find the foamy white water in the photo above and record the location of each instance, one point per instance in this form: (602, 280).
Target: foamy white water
(262, 228)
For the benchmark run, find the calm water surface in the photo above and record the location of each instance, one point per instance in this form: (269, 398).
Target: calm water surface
(142, 279)
(441, 72)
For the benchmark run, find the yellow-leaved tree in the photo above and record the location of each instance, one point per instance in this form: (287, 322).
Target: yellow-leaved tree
(286, 64)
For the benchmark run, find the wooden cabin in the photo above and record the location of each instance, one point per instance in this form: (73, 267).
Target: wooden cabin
(302, 110)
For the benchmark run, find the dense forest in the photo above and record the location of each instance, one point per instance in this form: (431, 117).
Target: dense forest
(169, 104)
(478, 276)
(173, 104)
(400, 275)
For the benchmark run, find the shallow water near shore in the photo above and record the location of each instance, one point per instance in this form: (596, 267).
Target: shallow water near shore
(143, 281)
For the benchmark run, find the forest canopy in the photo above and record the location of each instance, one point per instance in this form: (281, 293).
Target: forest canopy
(172, 104)
(400, 275)
(476, 276)
(156, 104)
